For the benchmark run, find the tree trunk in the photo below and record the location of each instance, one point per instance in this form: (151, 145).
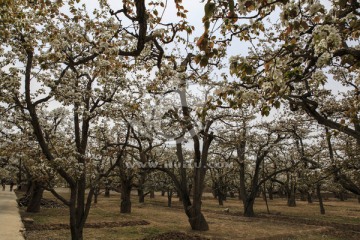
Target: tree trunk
(263, 192)
(107, 192)
(240, 195)
(197, 219)
(270, 191)
(198, 222)
(249, 207)
(303, 196)
(291, 200)
(141, 195)
(309, 197)
(152, 194)
(125, 205)
(291, 194)
(96, 194)
(169, 198)
(193, 211)
(35, 198)
(318, 193)
(162, 193)
(358, 197)
(141, 190)
(29, 188)
(220, 199)
(271, 196)
(179, 196)
(79, 207)
(341, 196)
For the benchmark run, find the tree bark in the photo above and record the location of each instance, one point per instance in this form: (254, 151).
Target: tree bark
(240, 197)
(169, 197)
(220, 199)
(180, 197)
(341, 196)
(291, 193)
(141, 193)
(303, 195)
(271, 196)
(79, 208)
(318, 193)
(107, 191)
(270, 190)
(309, 197)
(35, 198)
(96, 194)
(291, 200)
(198, 222)
(232, 194)
(152, 194)
(249, 207)
(125, 205)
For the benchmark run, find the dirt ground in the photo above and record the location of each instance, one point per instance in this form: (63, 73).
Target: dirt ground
(154, 220)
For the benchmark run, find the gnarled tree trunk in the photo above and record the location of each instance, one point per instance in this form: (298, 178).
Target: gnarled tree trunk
(125, 205)
(36, 194)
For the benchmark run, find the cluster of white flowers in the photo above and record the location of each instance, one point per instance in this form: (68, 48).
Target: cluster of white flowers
(266, 85)
(79, 169)
(237, 59)
(60, 162)
(319, 77)
(326, 38)
(278, 75)
(315, 8)
(103, 63)
(289, 9)
(323, 59)
(357, 80)
(158, 32)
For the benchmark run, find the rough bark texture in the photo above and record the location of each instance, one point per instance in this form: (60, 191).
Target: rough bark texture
(291, 190)
(141, 190)
(125, 205)
(79, 207)
(36, 194)
(318, 193)
(249, 207)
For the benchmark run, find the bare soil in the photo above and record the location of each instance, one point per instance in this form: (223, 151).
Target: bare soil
(154, 220)
(41, 227)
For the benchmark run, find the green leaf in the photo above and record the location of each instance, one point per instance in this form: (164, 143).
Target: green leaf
(265, 111)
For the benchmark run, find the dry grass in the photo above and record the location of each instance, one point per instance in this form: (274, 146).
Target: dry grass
(222, 226)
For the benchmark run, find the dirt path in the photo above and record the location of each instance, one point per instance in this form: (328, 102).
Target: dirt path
(10, 221)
